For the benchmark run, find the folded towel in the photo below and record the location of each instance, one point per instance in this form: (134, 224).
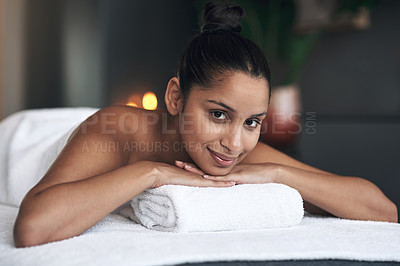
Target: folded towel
(195, 209)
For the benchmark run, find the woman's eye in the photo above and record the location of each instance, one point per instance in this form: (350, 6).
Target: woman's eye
(218, 115)
(252, 123)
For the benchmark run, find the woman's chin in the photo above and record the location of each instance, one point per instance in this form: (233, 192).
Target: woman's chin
(217, 171)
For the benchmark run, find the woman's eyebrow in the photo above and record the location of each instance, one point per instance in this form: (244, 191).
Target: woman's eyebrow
(260, 114)
(233, 110)
(223, 105)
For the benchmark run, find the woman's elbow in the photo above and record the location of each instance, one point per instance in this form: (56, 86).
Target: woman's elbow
(392, 213)
(27, 233)
(382, 207)
(386, 213)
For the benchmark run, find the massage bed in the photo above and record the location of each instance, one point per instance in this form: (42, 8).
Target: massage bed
(31, 140)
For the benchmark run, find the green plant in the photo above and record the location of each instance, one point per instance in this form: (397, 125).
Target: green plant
(270, 24)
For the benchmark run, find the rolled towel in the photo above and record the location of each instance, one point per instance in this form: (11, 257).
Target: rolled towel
(176, 208)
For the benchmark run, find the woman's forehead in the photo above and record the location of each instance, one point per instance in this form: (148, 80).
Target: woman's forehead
(238, 91)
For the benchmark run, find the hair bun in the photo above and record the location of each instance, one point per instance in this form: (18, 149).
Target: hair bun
(219, 16)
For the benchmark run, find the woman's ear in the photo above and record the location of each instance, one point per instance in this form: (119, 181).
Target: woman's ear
(174, 97)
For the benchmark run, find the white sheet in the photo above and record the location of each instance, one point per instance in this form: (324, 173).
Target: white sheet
(118, 241)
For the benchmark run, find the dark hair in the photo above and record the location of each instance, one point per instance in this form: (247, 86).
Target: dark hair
(219, 48)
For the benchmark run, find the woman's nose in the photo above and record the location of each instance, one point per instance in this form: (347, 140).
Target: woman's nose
(232, 139)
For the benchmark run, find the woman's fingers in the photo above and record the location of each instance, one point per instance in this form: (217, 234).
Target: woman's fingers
(195, 180)
(189, 167)
(227, 178)
(203, 182)
(192, 176)
(219, 178)
(179, 164)
(192, 169)
(212, 183)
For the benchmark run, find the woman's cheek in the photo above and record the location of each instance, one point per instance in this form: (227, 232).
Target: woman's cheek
(211, 128)
(250, 142)
(200, 124)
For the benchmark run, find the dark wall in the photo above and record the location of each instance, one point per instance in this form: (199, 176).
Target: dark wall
(43, 65)
(357, 72)
(145, 40)
(142, 43)
(352, 83)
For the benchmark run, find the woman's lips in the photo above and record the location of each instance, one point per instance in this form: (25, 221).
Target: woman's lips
(222, 159)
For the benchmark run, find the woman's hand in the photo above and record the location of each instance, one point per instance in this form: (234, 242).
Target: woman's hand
(180, 174)
(242, 173)
(189, 167)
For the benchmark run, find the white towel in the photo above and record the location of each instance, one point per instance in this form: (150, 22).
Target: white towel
(199, 209)
(118, 241)
(30, 141)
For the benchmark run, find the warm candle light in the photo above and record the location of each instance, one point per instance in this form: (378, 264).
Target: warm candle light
(149, 101)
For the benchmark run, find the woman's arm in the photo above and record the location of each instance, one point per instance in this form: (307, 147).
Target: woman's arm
(346, 197)
(68, 209)
(88, 180)
(342, 196)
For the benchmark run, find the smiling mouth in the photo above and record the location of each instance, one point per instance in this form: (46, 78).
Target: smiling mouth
(222, 160)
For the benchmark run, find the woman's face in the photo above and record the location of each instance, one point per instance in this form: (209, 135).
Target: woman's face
(221, 125)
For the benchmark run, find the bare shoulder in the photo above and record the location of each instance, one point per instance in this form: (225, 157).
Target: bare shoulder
(264, 153)
(125, 121)
(116, 121)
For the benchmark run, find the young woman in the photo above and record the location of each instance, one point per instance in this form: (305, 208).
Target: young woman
(207, 137)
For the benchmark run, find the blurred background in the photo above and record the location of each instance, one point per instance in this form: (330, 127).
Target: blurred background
(335, 69)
